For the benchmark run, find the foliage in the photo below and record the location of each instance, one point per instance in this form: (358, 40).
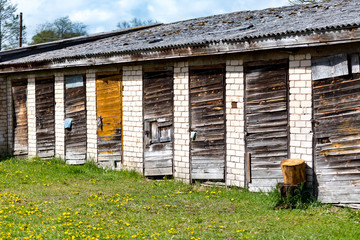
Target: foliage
(306, 1)
(135, 22)
(9, 25)
(61, 28)
(302, 198)
(47, 199)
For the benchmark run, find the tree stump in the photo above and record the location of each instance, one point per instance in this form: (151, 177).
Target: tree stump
(293, 171)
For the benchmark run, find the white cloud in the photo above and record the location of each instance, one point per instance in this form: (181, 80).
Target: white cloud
(91, 16)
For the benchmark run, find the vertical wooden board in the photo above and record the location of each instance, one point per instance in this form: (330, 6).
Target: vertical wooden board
(109, 116)
(20, 122)
(266, 121)
(45, 117)
(75, 109)
(207, 121)
(337, 138)
(158, 122)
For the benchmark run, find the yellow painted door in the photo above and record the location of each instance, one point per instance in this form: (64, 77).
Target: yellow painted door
(109, 118)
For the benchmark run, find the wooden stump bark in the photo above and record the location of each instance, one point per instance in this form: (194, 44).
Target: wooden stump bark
(293, 171)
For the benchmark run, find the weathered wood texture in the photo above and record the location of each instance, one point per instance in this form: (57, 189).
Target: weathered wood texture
(109, 118)
(20, 122)
(266, 120)
(207, 109)
(158, 123)
(45, 118)
(337, 138)
(75, 109)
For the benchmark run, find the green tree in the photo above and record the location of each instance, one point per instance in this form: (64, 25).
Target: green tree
(9, 25)
(135, 22)
(61, 28)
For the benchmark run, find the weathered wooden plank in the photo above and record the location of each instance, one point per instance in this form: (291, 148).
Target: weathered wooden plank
(20, 126)
(45, 117)
(75, 108)
(207, 111)
(266, 117)
(337, 137)
(109, 115)
(158, 122)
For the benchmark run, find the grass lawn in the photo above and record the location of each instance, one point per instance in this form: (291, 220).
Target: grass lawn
(50, 200)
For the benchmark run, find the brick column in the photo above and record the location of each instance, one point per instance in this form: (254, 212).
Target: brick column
(31, 111)
(91, 115)
(235, 138)
(9, 117)
(3, 117)
(133, 118)
(181, 122)
(301, 135)
(59, 115)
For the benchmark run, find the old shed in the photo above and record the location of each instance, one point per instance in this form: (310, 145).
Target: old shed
(222, 98)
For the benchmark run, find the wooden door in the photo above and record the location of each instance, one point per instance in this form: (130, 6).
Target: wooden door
(266, 122)
(75, 110)
(207, 123)
(158, 122)
(45, 117)
(20, 121)
(336, 102)
(109, 118)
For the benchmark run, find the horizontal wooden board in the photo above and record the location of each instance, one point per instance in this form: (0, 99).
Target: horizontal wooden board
(20, 122)
(158, 120)
(45, 117)
(207, 111)
(337, 138)
(266, 121)
(109, 115)
(75, 108)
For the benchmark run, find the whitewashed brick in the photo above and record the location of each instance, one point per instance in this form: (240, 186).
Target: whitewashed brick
(132, 118)
(301, 108)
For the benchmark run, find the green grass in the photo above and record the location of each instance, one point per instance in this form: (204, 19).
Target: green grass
(50, 200)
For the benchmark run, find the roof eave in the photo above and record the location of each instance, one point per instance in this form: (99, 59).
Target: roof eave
(308, 39)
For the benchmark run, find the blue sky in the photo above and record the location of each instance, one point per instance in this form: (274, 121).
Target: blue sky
(103, 15)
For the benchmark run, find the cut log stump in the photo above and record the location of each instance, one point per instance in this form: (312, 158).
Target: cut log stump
(293, 171)
(286, 190)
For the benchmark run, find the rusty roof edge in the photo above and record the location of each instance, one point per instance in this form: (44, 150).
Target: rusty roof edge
(80, 39)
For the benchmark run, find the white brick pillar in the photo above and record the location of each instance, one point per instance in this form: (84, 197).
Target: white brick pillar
(3, 117)
(133, 118)
(9, 116)
(59, 115)
(235, 138)
(181, 122)
(91, 115)
(301, 135)
(31, 111)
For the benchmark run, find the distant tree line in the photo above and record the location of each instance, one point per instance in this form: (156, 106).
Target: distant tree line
(60, 28)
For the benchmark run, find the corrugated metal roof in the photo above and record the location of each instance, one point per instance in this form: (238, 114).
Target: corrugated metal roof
(238, 26)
